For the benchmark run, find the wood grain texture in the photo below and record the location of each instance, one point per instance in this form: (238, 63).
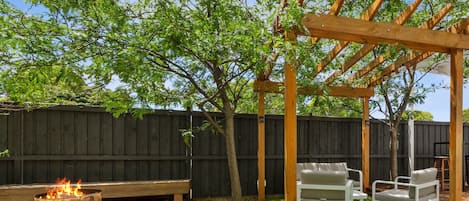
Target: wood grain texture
(403, 17)
(378, 32)
(456, 138)
(366, 142)
(414, 57)
(338, 91)
(109, 190)
(290, 130)
(261, 146)
(369, 14)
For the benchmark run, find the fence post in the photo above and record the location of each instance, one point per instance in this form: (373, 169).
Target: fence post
(189, 148)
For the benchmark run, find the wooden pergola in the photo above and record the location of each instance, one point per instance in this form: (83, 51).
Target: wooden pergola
(423, 42)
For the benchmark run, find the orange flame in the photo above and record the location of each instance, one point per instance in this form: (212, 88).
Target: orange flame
(63, 189)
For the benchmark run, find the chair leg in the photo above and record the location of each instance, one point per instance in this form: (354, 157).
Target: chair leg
(442, 175)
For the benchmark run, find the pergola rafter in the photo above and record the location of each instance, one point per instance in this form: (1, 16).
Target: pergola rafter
(429, 24)
(334, 10)
(361, 31)
(422, 41)
(369, 14)
(414, 57)
(367, 48)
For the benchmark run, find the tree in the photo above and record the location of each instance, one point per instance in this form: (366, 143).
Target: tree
(418, 115)
(466, 115)
(187, 53)
(31, 74)
(396, 93)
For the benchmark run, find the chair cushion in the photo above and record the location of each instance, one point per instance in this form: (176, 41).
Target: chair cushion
(341, 166)
(323, 177)
(400, 195)
(420, 177)
(299, 168)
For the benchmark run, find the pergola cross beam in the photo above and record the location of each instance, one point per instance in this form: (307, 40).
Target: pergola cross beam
(334, 10)
(337, 91)
(379, 32)
(367, 48)
(415, 57)
(367, 15)
(429, 24)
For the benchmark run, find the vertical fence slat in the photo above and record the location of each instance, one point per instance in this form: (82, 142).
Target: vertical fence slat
(82, 134)
(4, 145)
(106, 144)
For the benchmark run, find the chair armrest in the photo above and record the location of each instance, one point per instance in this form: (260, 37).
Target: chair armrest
(360, 174)
(401, 178)
(373, 188)
(417, 186)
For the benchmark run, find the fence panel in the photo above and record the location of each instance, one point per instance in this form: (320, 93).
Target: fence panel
(91, 144)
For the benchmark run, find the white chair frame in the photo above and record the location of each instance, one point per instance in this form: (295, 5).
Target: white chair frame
(396, 183)
(360, 173)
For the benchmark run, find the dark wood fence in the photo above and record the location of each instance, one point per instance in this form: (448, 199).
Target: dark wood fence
(90, 144)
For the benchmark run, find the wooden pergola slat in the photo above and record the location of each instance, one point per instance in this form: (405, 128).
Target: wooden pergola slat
(338, 91)
(429, 24)
(368, 68)
(403, 17)
(414, 57)
(378, 32)
(334, 10)
(369, 14)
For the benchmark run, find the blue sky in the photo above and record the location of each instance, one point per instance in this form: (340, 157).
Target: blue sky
(438, 102)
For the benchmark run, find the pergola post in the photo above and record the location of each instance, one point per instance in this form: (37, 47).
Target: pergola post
(366, 143)
(261, 147)
(456, 126)
(290, 124)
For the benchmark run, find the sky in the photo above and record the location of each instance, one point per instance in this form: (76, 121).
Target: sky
(437, 102)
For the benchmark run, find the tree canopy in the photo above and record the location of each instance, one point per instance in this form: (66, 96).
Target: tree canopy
(418, 115)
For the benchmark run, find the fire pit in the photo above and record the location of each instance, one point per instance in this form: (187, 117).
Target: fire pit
(63, 191)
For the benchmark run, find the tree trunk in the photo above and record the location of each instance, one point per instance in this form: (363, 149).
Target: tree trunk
(393, 152)
(231, 154)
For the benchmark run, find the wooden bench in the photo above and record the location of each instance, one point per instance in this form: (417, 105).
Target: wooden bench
(109, 190)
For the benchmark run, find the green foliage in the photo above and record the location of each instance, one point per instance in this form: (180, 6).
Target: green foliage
(418, 115)
(466, 115)
(205, 127)
(35, 68)
(4, 153)
(331, 106)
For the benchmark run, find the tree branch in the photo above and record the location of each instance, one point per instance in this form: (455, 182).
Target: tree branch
(210, 119)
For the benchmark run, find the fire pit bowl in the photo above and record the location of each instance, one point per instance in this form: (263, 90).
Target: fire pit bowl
(88, 195)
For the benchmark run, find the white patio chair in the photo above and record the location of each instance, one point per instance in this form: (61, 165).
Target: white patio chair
(323, 181)
(358, 193)
(422, 186)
